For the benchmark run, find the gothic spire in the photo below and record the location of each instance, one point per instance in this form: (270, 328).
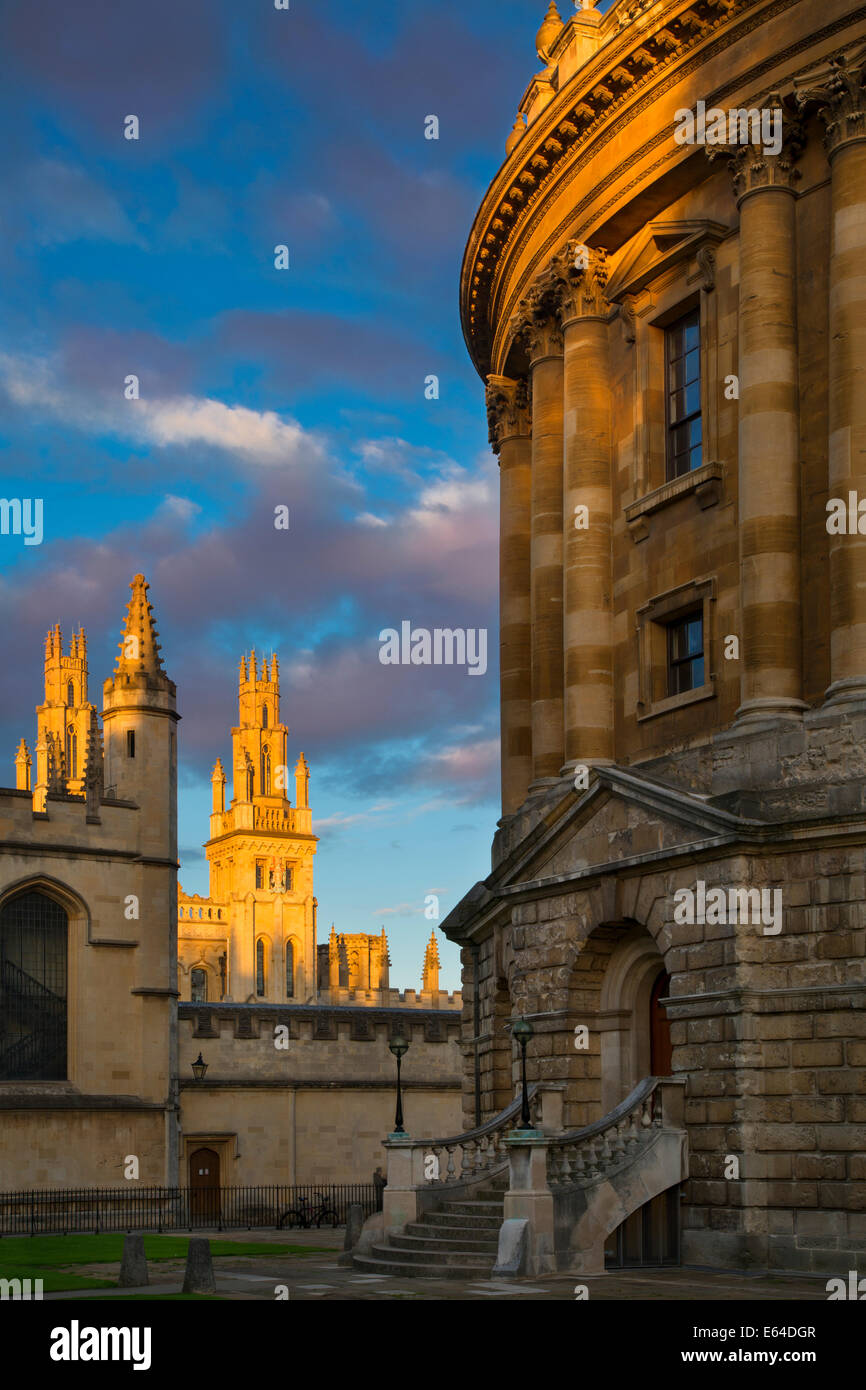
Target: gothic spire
(138, 648)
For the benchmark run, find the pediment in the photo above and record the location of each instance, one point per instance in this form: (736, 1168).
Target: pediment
(620, 818)
(660, 245)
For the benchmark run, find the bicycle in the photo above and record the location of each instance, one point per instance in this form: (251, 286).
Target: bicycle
(305, 1215)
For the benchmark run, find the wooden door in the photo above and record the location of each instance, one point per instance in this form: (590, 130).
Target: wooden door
(204, 1182)
(660, 1029)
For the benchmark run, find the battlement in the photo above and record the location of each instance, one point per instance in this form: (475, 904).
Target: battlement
(192, 907)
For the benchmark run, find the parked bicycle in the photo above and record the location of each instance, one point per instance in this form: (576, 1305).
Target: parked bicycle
(307, 1214)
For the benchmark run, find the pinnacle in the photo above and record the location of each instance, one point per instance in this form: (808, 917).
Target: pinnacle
(139, 648)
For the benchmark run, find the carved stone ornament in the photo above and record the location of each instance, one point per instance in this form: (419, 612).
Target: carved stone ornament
(508, 411)
(838, 89)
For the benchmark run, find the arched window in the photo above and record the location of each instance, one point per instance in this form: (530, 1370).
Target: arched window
(70, 693)
(265, 779)
(264, 716)
(290, 970)
(260, 968)
(71, 752)
(198, 987)
(33, 947)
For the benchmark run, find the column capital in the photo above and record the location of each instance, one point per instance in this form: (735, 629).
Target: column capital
(837, 89)
(754, 168)
(508, 409)
(580, 276)
(535, 322)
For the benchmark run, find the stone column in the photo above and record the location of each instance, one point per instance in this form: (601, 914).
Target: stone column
(537, 323)
(508, 417)
(771, 681)
(587, 510)
(839, 88)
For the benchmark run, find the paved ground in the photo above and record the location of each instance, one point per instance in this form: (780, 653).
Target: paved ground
(317, 1276)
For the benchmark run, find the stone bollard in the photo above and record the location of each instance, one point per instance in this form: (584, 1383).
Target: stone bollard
(199, 1267)
(354, 1224)
(133, 1265)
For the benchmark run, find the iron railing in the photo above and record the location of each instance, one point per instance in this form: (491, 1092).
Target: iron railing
(60, 1211)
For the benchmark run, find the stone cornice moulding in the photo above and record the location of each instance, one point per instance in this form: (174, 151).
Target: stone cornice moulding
(494, 234)
(596, 95)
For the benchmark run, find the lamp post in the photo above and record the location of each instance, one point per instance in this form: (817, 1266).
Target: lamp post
(523, 1031)
(199, 1067)
(398, 1045)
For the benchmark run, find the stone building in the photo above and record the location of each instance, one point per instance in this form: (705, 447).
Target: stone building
(95, 1053)
(663, 293)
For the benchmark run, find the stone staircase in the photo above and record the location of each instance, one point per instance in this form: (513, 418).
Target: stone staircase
(457, 1240)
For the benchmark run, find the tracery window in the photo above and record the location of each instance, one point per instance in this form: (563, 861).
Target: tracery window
(33, 953)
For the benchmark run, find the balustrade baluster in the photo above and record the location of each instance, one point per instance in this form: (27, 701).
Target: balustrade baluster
(450, 1171)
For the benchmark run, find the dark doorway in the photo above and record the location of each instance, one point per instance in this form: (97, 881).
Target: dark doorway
(660, 1028)
(204, 1182)
(650, 1236)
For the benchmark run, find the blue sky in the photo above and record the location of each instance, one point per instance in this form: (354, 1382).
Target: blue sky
(259, 387)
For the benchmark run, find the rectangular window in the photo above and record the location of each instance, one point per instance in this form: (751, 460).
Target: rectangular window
(130, 743)
(683, 395)
(260, 873)
(686, 654)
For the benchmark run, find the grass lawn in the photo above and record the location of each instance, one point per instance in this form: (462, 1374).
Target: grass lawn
(46, 1257)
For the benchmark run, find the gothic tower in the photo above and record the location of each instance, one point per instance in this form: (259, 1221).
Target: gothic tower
(63, 721)
(261, 850)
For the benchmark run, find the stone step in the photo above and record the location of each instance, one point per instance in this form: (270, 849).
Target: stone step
(444, 1220)
(383, 1260)
(473, 1209)
(419, 1238)
(426, 1260)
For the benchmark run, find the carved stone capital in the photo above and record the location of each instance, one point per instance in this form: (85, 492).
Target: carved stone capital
(837, 89)
(755, 167)
(508, 411)
(580, 276)
(536, 320)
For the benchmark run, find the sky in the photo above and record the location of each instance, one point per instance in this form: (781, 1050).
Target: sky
(261, 388)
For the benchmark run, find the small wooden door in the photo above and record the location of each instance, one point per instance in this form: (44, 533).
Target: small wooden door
(660, 1028)
(204, 1182)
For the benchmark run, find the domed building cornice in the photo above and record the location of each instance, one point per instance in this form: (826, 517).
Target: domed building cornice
(597, 159)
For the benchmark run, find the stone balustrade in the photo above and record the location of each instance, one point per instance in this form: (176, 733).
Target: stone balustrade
(585, 1156)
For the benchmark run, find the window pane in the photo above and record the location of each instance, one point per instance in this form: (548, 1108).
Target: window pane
(692, 332)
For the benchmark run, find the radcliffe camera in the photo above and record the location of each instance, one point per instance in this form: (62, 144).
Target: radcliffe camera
(433, 694)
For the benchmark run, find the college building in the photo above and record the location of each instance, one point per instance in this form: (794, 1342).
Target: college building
(113, 982)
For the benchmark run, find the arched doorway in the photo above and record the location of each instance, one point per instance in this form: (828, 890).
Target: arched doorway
(204, 1185)
(660, 1028)
(635, 1033)
(34, 933)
